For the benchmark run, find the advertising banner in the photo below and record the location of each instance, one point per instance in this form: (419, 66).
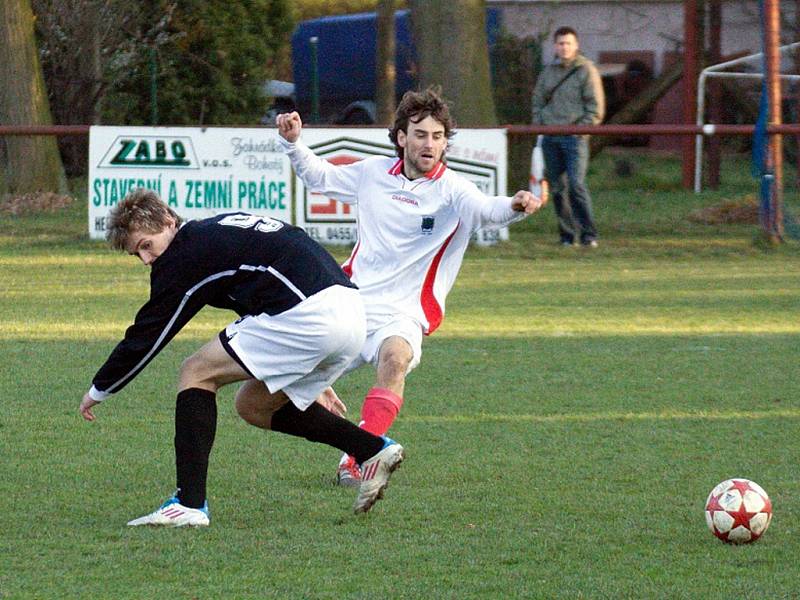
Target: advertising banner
(199, 172)
(477, 154)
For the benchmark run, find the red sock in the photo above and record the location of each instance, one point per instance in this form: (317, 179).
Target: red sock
(379, 410)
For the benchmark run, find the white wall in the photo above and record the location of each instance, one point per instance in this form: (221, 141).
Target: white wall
(635, 25)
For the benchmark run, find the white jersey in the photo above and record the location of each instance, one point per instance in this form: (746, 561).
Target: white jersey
(412, 234)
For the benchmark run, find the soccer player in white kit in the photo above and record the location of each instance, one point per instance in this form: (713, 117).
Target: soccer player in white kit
(415, 220)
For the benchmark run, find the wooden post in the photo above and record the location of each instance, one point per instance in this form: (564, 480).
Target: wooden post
(714, 90)
(797, 109)
(772, 26)
(690, 71)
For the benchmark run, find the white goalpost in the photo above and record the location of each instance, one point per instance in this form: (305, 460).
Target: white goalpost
(717, 71)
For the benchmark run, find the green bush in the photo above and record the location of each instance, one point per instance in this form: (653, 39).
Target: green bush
(211, 58)
(311, 9)
(516, 63)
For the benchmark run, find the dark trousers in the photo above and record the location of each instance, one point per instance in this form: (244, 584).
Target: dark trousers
(566, 158)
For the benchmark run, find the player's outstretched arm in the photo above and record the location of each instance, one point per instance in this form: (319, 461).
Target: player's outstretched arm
(524, 201)
(289, 126)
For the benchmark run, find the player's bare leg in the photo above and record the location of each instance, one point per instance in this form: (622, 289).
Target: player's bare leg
(322, 422)
(393, 359)
(202, 374)
(256, 405)
(382, 402)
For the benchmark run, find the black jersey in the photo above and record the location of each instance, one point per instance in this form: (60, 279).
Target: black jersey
(246, 263)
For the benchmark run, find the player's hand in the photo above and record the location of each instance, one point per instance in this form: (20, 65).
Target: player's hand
(524, 201)
(289, 126)
(328, 399)
(86, 407)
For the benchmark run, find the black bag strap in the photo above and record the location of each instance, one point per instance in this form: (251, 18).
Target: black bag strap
(549, 95)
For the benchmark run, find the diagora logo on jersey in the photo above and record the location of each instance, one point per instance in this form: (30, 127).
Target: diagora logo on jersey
(427, 225)
(149, 151)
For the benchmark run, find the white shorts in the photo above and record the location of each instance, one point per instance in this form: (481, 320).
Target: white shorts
(303, 350)
(400, 325)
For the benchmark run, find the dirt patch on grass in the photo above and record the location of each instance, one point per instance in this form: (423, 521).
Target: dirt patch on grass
(743, 210)
(33, 202)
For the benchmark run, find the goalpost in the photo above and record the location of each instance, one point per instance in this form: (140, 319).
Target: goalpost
(717, 71)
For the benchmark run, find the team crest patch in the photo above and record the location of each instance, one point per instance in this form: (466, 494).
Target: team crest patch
(427, 225)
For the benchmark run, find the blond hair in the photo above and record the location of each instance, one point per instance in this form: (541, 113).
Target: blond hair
(141, 210)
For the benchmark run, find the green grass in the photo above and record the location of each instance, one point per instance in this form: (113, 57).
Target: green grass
(563, 430)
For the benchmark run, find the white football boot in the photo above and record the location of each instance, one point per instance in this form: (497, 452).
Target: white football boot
(174, 514)
(375, 474)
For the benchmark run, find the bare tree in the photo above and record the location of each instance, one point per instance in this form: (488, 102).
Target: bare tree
(33, 164)
(450, 37)
(86, 46)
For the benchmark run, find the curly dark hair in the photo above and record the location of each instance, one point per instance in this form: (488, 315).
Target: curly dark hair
(141, 210)
(416, 106)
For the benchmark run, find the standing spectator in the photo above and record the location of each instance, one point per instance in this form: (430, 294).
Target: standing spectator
(569, 92)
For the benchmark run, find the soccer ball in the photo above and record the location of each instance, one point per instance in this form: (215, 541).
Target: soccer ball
(738, 511)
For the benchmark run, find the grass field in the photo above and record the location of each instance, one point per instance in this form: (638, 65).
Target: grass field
(563, 430)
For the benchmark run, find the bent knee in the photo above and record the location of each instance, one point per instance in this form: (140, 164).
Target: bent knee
(192, 369)
(397, 365)
(255, 405)
(190, 363)
(394, 365)
(252, 413)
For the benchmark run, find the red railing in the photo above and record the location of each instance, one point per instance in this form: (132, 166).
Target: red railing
(613, 130)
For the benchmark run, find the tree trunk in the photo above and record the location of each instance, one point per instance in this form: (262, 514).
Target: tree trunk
(385, 75)
(796, 147)
(33, 163)
(452, 52)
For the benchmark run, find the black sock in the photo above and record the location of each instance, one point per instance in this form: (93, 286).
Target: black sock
(195, 427)
(318, 424)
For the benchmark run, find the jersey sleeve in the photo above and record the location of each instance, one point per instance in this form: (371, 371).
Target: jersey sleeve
(593, 97)
(337, 181)
(156, 323)
(481, 211)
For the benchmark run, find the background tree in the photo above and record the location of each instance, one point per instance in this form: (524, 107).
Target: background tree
(84, 46)
(385, 75)
(32, 164)
(212, 60)
(210, 57)
(311, 9)
(516, 63)
(450, 37)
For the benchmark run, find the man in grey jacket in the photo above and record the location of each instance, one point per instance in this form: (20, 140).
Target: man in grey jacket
(569, 91)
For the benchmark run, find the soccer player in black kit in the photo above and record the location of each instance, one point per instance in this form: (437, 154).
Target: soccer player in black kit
(301, 322)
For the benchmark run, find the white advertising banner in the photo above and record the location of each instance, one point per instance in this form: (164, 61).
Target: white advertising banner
(477, 154)
(199, 172)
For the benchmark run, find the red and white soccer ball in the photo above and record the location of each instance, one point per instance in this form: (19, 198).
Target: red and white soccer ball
(738, 511)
